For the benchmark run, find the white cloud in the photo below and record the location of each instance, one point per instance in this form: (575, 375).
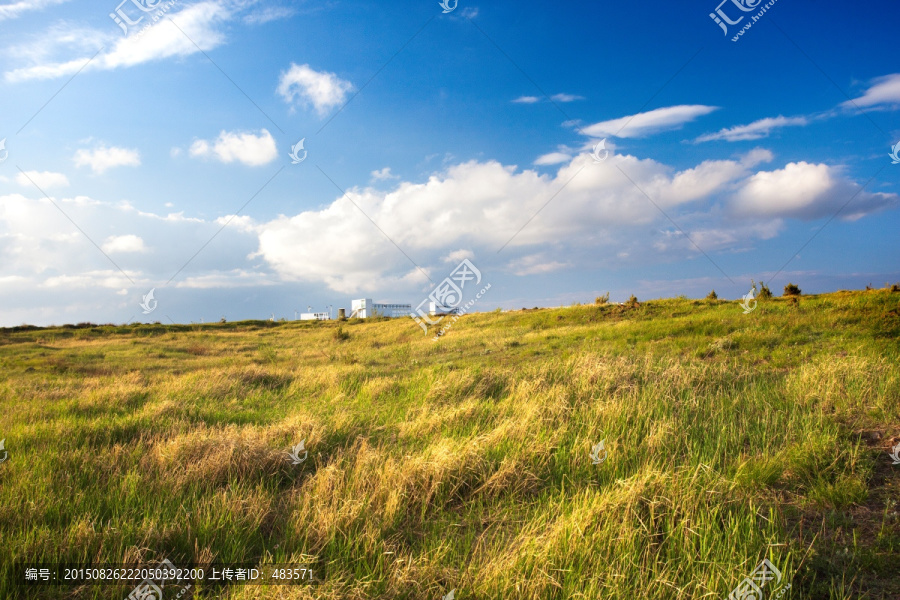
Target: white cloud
(15, 9)
(250, 149)
(755, 130)
(554, 97)
(321, 89)
(43, 179)
(534, 264)
(566, 97)
(383, 174)
(647, 123)
(270, 13)
(457, 256)
(102, 158)
(886, 90)
(480, 206)
(52, 52)
(123, 243)
(806, 191)
(553, 158)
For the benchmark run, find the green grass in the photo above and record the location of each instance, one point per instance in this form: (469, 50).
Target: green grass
(465, 463)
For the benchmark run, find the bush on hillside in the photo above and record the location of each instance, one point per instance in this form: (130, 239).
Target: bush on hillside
(791, 290)
(712, 295)
(601, 300)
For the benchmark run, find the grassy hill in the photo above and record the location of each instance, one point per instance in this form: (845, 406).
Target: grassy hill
(465, 463)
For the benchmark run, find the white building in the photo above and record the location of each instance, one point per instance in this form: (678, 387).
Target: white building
(365, 308)
(315, 316)
(436, 309)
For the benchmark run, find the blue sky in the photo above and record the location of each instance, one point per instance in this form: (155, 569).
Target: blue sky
(159, 157)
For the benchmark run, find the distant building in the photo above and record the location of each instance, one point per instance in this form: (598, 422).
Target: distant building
(315, 316)
(365, 308)
(436, 309)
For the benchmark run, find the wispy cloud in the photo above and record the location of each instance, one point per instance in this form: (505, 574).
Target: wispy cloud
(647, 123)
(51, 53)
(269, 13)
(554, 97)
(565, 97)
(321, 89)
(755, 130)
(15, 9)
(884, 91)
(553, 158)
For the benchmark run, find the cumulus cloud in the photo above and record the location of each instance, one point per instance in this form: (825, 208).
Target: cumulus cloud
(806, 191)
(477, 207)
(526, 100)
(884, 91)
(247, 148)
(755, 130)
(383, 174)
(43, 179)
(647, 123)
(102, 158)
(123, 243)
(320, 89)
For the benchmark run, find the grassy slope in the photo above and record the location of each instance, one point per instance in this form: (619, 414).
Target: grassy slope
(464, 463)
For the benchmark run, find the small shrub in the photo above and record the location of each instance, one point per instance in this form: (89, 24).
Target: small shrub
(340, 335)
(764, 291)
(895, 288)
(601, 300)
(791, 290)
(633, 301)
(712, 295)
